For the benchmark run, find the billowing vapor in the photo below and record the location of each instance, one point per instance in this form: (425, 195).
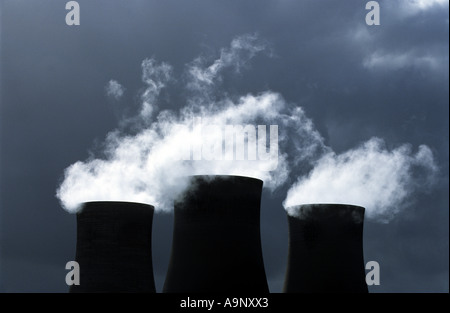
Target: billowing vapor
(243, 135)
(114, 89)
(155, 76)
(256, 135)
(202, 77)
(371, 176)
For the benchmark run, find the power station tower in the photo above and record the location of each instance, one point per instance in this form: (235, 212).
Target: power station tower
(326, 249)
(216, 239)
(114, 247)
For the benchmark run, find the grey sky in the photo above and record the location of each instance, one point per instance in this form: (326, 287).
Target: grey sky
(352, 80)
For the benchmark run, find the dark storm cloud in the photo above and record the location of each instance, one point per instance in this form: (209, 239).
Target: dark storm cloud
(354, 81)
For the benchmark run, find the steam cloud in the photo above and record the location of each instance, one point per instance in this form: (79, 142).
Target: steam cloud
(150, 165)
(147, 166)
(370, 176)
(114, 89)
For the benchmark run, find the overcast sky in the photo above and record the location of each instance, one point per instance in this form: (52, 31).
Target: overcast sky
(64, 88)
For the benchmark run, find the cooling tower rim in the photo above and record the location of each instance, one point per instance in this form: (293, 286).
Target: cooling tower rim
(322, 204)
(113, 202)
(327, 210)
(220, 176)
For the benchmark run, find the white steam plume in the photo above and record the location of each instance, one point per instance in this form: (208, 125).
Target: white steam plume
(114, 89)
(155, 76)
(202, 79)
(149, 167)
(152, 164)
(371, 176)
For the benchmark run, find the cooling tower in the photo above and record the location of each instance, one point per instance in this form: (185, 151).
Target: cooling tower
(216, 239)
(114, 248)
(326, 249)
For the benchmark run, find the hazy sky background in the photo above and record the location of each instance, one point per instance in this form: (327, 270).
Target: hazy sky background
(352, 80)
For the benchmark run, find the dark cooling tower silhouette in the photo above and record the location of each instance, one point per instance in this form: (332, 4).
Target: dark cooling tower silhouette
(216, 239)
(114, 248)
(326, 249)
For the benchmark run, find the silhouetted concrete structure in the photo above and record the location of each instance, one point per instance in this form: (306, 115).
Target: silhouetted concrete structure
(114, 247)
(216, 240)
(326, 249)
